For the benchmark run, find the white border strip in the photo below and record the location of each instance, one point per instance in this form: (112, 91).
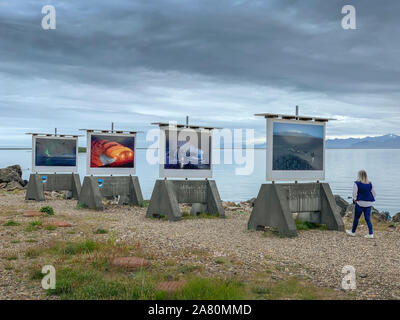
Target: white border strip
(181, 173)
(108, 171)
(51, 169)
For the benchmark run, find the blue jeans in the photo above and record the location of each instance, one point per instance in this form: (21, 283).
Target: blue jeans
(367, 215)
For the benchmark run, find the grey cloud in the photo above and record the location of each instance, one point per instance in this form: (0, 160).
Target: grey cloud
(219, 61)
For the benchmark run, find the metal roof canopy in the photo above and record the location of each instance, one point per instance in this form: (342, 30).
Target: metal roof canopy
(54, 135)
(111, 131)
(166, 124)
(292, 117)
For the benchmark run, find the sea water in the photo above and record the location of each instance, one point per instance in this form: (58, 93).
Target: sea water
(383, 167)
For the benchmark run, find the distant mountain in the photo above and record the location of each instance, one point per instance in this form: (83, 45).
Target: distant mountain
(388, 141)
(293, 134)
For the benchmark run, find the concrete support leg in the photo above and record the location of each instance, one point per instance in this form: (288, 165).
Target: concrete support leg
(76, 186)
(214, 203)
(90, 194)
(330, 216)
(276, 203)
(35, 189)
(135, 193)
(271, 209)
(164, 202)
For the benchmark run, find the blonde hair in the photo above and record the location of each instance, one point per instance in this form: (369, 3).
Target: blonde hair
(362, 177)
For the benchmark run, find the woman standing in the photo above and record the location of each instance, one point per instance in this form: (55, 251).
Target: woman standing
(363, 197)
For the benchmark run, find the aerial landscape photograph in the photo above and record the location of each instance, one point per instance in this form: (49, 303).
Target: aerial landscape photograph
(237, 156)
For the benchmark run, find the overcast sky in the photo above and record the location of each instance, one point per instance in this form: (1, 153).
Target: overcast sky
(218, 61)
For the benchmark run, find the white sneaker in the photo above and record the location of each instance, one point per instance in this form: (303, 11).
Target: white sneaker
(353, 234)
(369, 236)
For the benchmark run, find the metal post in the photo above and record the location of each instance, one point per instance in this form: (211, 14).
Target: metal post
(55, 131)
(187, 121)
(297, 111)
(112, 126)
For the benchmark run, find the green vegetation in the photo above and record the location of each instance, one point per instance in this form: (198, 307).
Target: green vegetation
(33, 226)
(11, 223)
(261, 290)
(73, 248)
(10, 258)
(188, 268)
(211, 289)
(100, 231)
(32, 253)
(81, 205)
(293, 289)
(50, 227)
(84, 271)
(145, 203)
(187, 216)
(307, 225)
(48, 210)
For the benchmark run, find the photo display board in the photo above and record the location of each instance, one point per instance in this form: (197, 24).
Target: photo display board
(185, 153)
(295, 150)
(54, 154)
(111, 153)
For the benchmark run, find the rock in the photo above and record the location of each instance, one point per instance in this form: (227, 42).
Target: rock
(62, 224)
(342, 204)
(13, 185)
(68, 195)
(33, 214)
(249, 202)
(229, 204)
(10, 178)
(130, 262)
(396, 217)
(380, 216)
(12, 173)
(170, 286)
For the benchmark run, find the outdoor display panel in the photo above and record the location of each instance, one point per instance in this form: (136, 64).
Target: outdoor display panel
(54, 154)
(295, 150)
(185, 153)
(111, 153)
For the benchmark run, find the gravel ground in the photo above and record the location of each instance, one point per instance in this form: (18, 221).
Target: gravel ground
(318, 256)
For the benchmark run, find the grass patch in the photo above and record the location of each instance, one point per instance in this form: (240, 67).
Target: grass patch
(33, 226)
(81, 205)
(159, 216)
(11, 223)
(211, 289)
(145, 203)
(261, 290)
(307, 225)
(32, 253)
(188, 269)
(100, 231)
(36, 274)
(293, 289)
(50, 227)
(187, 216)
(10, 258)
(221, 260)
(48, 210)
(84, 284)
(73, 248)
